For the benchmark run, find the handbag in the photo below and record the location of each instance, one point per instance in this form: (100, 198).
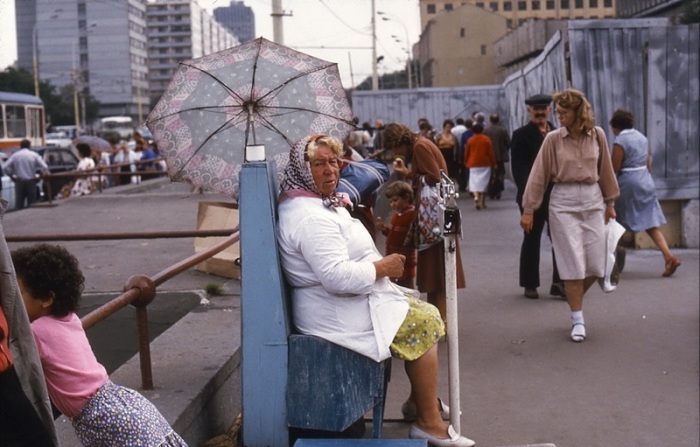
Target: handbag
(613, 233)
(428, 215)
(360, 179)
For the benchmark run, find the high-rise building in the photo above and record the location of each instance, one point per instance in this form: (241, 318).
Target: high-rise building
(518, 11)
(98, 47)
(238, 18)
(179, 30)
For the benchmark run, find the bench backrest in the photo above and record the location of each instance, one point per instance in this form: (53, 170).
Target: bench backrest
(265, 318)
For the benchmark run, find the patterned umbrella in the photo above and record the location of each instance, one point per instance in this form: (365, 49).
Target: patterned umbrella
(258, 93)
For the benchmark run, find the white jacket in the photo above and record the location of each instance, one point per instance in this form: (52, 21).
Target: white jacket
(328, 257)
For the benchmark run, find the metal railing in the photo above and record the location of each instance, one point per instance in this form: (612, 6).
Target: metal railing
(140, 290)
(102, 172)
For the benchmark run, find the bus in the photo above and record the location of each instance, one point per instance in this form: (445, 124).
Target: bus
(21, 117)
(123, 125)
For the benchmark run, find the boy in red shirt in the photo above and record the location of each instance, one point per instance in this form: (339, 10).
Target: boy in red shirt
(399, 237)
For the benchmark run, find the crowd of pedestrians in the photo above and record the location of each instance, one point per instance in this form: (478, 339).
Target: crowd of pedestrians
(566, 177)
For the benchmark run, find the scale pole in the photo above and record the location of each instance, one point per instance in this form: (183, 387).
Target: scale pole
(452, 225)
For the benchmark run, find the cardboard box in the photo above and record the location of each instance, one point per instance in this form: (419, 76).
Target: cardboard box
(217, 216)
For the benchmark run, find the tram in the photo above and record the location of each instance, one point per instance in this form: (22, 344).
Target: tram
(21, 117)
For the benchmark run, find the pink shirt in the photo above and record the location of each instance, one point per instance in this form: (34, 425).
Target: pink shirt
(73, 374)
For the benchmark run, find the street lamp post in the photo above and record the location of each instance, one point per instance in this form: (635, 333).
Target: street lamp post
(409, 63)
(375, 77)
(35, 62)
(409, 73)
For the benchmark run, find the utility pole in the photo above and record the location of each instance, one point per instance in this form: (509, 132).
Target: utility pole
(277, 24)
(35, 62)
(375, 78)
(77, 82)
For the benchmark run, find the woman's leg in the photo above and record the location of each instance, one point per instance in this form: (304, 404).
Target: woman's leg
(670, 261)
(658, 237)
(423, 375)
(575, 289)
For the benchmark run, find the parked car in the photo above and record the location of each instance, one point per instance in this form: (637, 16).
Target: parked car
(58, 159)
(58, 139)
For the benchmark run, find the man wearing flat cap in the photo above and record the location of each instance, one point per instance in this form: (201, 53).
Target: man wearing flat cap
(524, 146)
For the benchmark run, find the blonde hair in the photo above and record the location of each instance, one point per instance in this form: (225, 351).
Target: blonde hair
(316, 141)
(573, 99)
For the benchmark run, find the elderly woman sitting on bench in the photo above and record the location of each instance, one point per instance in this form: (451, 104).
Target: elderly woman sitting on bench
(341, 290)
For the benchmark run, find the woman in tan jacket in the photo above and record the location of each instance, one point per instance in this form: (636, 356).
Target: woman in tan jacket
(575, 158)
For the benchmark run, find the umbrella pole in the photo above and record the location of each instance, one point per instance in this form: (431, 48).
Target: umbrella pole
(451, 231)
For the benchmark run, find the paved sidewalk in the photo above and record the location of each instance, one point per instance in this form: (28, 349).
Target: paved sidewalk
(633, 383)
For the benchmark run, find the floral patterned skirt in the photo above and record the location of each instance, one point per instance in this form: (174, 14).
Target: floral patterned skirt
(421, 329)
(118, 416)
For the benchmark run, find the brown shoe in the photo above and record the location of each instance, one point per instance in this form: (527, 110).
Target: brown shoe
(531, 293)
(671, 266)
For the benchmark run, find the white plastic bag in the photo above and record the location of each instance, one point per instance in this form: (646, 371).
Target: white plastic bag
(613, 233)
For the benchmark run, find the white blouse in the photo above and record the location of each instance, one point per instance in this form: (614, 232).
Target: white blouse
(328, 258)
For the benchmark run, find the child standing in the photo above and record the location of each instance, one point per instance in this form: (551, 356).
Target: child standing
(398, 235)
(101, 412)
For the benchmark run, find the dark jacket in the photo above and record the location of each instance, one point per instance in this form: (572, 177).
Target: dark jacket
(524, 146)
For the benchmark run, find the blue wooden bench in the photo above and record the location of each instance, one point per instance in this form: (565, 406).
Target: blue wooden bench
(290, 380)
(361, 442)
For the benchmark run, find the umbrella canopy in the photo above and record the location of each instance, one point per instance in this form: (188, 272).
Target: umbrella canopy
(258, 93)
(95, 143)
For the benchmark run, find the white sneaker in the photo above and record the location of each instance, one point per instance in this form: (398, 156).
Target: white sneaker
(454, 440)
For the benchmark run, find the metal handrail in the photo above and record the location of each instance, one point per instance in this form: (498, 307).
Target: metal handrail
(102, 171)
(140, 290)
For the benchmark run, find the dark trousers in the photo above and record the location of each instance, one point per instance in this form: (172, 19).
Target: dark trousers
(25, 190)
(530, 252)
(20, 426)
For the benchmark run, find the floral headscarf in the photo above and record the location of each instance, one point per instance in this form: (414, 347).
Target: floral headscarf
(297, 179)
(297, 174)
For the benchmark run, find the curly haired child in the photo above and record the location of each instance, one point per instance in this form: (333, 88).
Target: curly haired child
(102, 413)
(398, 234)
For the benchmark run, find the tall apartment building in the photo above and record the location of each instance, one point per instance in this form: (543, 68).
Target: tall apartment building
(179, 30)
(517, 12)
(238, 18)
(99, 47)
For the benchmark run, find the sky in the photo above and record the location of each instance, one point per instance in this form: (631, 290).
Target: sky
(334, 30)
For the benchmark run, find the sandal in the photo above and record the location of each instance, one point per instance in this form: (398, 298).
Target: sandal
(671, 266)
(578, 332)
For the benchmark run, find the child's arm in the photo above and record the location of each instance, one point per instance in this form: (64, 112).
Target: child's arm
(381, 227)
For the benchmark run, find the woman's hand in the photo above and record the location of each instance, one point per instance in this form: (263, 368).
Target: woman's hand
(390, 266)
(526, 222)
(610, 212)
(400, 166)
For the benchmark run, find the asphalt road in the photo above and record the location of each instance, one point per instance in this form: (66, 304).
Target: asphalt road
(633, 383)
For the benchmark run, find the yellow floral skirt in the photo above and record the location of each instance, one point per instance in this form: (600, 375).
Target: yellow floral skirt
(421, 329)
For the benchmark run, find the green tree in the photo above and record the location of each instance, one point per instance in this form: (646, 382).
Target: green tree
(691, 12)
(58, 103)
